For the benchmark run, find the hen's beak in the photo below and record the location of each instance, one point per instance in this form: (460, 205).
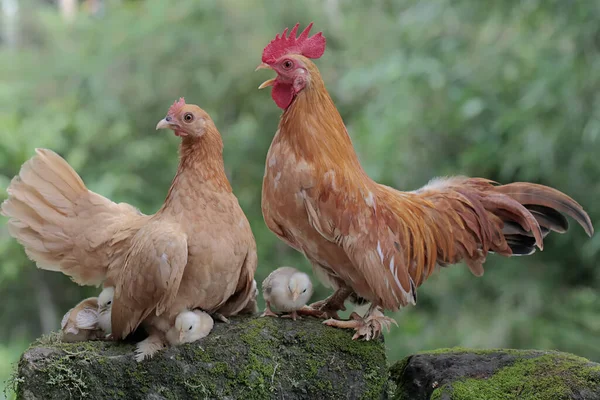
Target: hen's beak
(166, 123)
(269, 82)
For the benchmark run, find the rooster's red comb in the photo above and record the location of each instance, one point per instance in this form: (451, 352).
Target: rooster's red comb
(177, 106)
(310, 47)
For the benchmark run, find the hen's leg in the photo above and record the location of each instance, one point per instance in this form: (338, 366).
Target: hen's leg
(368, 327)
(268, 312)
(329, 307)
(220, 317)
(148, 347)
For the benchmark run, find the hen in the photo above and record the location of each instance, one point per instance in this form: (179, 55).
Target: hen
(367, 240)
(196, 251)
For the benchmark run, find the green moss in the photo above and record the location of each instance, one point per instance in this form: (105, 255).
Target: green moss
(550, 376)
(63, 375)
(481, 352)
(256, 357)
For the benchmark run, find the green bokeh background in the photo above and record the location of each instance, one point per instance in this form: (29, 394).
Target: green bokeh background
(505, 90)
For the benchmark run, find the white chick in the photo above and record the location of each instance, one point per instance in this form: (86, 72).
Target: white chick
(104, 307)
(288, 290)
(80, 323)
(189, 327)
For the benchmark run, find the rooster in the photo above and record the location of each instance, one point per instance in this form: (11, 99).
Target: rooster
(368, 241)
(197, 251)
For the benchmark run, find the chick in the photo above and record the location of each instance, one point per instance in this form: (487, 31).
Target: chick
(288, 290)
(104, 307)
(80, 323)
(189, 327)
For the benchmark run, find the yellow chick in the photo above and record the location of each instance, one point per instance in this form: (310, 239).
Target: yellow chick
(80, 323)
(189, 327)
(286, 289)
(104, 307)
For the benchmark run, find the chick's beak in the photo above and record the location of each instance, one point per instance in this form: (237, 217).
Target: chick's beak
(180, 336)
(295, 295)
(266, 83)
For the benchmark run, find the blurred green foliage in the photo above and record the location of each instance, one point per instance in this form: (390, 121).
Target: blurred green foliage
(504, 90)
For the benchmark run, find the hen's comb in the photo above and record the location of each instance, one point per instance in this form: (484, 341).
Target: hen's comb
(178, 105)
(310, 47)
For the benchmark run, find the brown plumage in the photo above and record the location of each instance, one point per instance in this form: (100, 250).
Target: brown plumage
(62, 225)
(198, 250)
(370, 240)
(201, 231)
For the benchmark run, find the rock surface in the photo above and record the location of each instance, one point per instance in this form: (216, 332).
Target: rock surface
(465, 374)
(267, 358)
(250, 358)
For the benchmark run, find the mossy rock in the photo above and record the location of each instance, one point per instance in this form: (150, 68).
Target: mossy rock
(465, 374)
(250, 358)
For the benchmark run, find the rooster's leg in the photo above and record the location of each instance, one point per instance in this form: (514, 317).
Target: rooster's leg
(268, 312)
(368, 327)
(329, 307)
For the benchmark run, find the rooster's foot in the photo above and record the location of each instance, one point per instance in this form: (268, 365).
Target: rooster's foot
(366, 328)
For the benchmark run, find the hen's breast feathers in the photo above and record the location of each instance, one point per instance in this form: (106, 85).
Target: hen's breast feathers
(395, 239)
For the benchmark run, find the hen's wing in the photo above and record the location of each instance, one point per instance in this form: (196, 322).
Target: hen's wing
(245, 291)
(395, 239)
(62, 225)
(150, 277)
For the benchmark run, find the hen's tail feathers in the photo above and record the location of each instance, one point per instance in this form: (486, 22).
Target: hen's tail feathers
(40, 200)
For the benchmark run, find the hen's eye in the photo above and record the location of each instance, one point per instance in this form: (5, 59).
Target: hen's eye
(190, 328)
(287, 64)
(188, 117)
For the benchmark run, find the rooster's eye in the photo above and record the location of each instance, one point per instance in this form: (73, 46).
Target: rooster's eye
(287, 64)
(188, 117)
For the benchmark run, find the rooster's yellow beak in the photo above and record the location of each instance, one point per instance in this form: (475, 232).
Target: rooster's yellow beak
(269, 82)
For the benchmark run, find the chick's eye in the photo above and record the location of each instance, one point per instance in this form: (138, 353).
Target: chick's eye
(190, 328)
(188, 117)
(304, 291)
(287, 64)
(108, 304)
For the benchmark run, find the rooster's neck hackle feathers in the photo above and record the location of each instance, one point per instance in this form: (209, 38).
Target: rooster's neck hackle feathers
(310, 47)
(315, 129)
